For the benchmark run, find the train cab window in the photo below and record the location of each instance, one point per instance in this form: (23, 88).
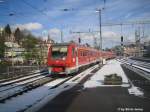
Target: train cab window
(59, 52)
(84, 53)
(81, 53)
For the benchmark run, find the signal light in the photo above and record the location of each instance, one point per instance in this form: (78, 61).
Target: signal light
(79, 40)
(121, 40)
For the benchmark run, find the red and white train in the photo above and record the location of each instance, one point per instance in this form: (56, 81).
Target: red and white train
(68, 58)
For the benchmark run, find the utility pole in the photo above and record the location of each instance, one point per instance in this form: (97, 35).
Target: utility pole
(137, 41)
(61, 35)
(99, 10)
(100, 27)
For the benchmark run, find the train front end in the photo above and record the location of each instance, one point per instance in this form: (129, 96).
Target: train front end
(60, 59)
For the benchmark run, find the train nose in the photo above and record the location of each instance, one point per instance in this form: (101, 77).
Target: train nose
(57, 69)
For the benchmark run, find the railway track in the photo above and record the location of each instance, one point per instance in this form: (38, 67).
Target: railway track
(22, 78)
(62, 86)
(16, 87)
(144, 59)
(7, 94)
(20, 82)
(140, 63)
(140, 67)
(145, 66)
(22, 75)
(4, 88)
(40, 84)
(138, 73)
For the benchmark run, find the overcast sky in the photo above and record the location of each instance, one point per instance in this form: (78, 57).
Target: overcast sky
(47, 16)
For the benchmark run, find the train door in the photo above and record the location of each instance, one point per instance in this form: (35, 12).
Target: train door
(77, 62)
(73, 57)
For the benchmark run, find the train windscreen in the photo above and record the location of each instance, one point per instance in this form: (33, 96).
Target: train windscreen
(59, 52)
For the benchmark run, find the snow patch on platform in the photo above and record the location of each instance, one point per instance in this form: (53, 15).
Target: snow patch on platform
(135, 91)
(112, 67)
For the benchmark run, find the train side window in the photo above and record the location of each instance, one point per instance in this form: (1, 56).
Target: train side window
(84, 53)
(81, 53)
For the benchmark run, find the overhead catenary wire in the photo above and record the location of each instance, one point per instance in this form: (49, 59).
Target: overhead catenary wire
(38, 10)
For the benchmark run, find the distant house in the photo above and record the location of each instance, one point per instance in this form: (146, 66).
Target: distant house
(45, 45)
(10, 38)
(13, 52)
(132, 50)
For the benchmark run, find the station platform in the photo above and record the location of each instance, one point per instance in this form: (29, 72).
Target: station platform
(93, 96)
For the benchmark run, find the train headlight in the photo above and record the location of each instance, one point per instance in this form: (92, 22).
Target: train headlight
(49, 70)
(73, 59)
(63, 58)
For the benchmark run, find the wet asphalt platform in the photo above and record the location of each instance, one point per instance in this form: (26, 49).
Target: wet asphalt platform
(100, 99)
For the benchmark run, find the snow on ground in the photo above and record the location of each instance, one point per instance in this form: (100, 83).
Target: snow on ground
(111, 67)
(28, 98)
(67, 85)
(135, 91)
(35, 99)
(19, 83)
(22, 78)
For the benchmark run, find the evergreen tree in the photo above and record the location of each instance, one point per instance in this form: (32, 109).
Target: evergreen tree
(17, 35)
(2, 44)
(7, 30)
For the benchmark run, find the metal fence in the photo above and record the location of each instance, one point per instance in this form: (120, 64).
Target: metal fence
(17, 71)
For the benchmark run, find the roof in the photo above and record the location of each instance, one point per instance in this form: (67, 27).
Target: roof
(62, 44)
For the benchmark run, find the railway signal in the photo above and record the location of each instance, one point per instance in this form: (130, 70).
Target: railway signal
(79, 40)
(121, 40)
